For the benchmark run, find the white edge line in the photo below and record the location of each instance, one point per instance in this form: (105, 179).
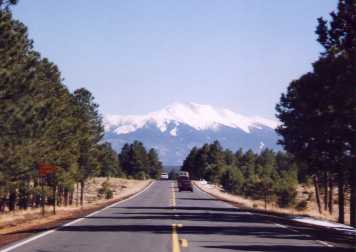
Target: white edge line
(280, 225)
(19, 244)
(215, 198)
(291, 229)
(325, 243)
(277, 224)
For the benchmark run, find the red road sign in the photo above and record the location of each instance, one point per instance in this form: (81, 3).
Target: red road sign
(45, 169)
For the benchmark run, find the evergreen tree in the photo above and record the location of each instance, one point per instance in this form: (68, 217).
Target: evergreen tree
(232, 180)
(338, 37)
(189, 162)
(136, 162)
(109, 161)
(318, 111)
(154, 165)
(90, 133)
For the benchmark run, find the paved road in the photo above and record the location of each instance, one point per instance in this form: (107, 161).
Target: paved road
(162, 219)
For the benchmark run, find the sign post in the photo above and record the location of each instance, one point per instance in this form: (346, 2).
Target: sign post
(42, 196)
(43, 171)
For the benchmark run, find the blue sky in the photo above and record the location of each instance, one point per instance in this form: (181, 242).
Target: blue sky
(137, 56)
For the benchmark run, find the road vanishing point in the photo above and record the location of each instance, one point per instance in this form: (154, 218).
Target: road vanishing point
(162, 219)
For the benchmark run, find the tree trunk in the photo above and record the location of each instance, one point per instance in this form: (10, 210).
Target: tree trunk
(353, 158)
(317, 193)
(2, 205)
(325, 185)
(81, 193)
(65, 195)
(42, 197)
(353, 192)
(59, 195)
(71, 197)
(12, 200)
(77, 198)
(331, 191)
(37, 196)
(54, 198)
(341, 197)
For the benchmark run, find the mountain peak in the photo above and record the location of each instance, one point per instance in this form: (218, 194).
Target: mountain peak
(178, 127)
(197, 116)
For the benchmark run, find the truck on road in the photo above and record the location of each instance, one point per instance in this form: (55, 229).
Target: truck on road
(183, 182)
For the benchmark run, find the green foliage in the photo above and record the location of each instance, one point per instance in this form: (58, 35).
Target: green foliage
(213, 172)
(200, 160)
(266, 175)
(137, 163)
(155, 167)
(286, 197)
(108, 161)
(232, 179)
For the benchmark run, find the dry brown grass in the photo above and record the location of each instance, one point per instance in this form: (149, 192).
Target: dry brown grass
(303, 193)
(123, 188)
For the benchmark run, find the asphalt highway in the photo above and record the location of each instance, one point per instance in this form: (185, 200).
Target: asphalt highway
(162, 219)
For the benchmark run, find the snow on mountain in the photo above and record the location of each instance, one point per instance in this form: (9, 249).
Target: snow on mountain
(177, 128)
(197, 116)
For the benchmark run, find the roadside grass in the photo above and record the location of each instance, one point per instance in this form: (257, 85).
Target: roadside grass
(19, 219)
(304, 194)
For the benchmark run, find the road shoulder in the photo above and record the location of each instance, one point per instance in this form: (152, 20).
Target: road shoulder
(287, 221)
(31, 229)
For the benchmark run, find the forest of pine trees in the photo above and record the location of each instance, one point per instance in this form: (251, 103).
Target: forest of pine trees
(41, 121)
(268, 175)
(138, 163)
(318, 112)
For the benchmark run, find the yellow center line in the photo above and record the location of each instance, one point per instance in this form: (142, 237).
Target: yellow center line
(175, 240)
(173, 197)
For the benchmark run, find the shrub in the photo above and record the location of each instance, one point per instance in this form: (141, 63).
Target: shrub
(302, 205)
(286, 197)
(141, 175)
(105, 190)
(109, 194)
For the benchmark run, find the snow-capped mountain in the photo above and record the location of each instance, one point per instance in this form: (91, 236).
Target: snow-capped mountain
(175, 129)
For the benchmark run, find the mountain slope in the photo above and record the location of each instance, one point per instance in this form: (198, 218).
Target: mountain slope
(175, 129)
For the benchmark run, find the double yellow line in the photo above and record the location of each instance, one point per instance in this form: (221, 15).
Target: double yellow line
(176, 242)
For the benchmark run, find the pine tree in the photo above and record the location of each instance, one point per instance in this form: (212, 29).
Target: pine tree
(338, 37)
(154, 165)
(90, 133)
(321, 131)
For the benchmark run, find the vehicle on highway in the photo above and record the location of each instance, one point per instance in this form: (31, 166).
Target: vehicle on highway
(164, 175)
(183, 181)
(184, 184)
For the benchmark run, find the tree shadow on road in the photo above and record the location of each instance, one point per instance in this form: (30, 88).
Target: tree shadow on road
(235, 215)
(194, 199)
(279, 248)
(266, 233)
